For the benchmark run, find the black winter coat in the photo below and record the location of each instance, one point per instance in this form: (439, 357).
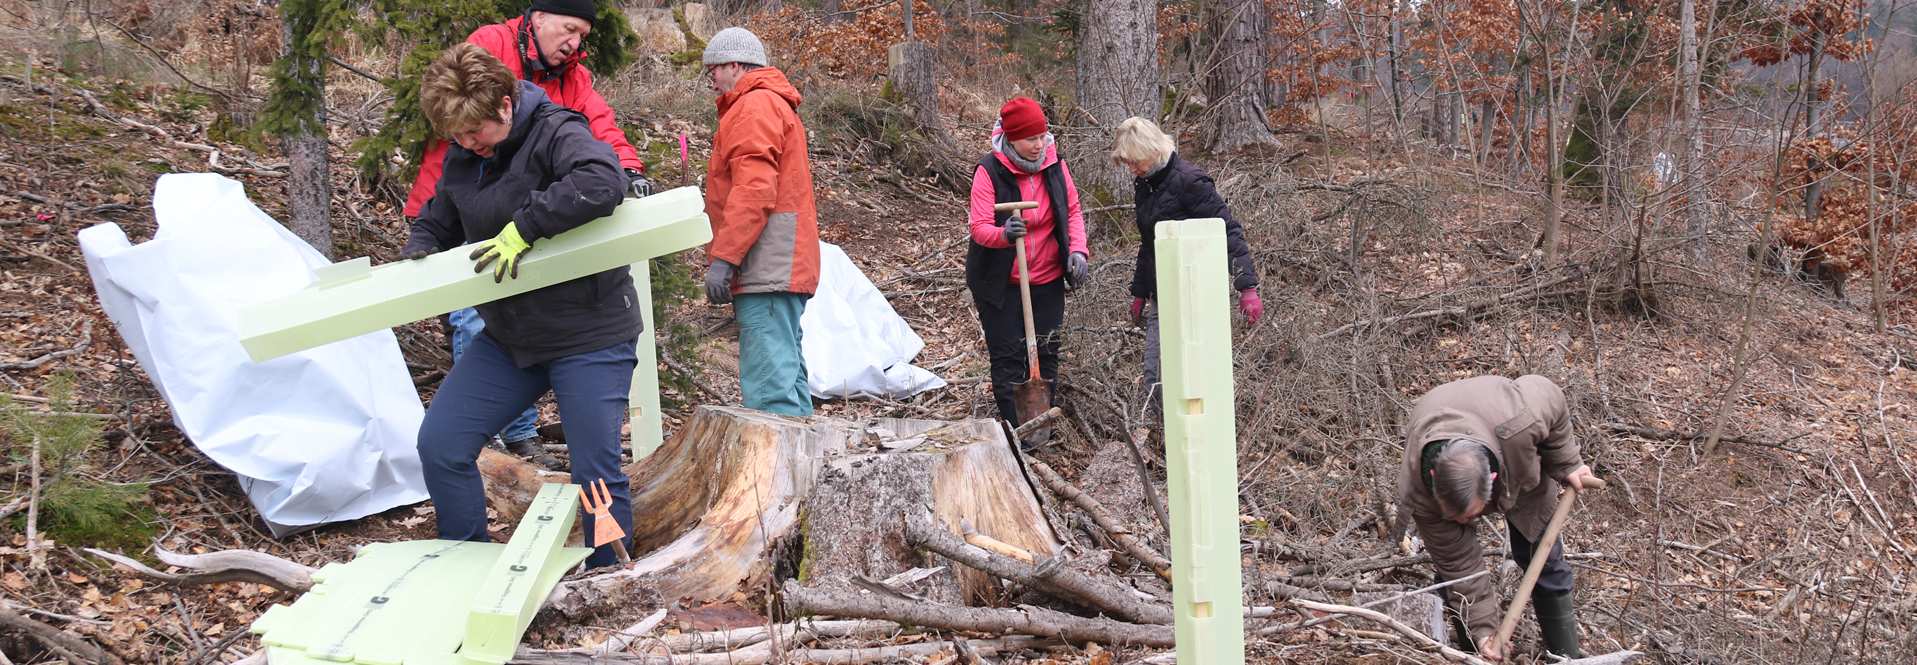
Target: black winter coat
(1178, 191)
(549, 176)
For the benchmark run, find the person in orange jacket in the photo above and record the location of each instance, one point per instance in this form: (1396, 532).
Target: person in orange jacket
(764, 256)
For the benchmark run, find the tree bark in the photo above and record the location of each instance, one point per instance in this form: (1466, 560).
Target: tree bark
(1813, 115)
(1237, 82)
(1117, 77)
(309, 183)
(1695, 212)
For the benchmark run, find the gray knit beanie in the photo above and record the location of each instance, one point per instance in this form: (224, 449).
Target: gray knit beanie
(735, 45)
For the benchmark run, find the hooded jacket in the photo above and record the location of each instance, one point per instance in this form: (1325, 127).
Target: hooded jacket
(568, 85)
(1181, 190)
(759, 188)
(548, 176)
(1527, 426)
(990, 262)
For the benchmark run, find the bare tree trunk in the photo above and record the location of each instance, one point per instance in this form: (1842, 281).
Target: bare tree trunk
(309, 182)
(1397, 75)
(1238, 80)
(1695, 211)
(1813, 114)
(1117, 76)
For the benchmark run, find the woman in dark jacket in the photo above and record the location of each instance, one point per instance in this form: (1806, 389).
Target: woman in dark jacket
(1167, 187)
(521, 169)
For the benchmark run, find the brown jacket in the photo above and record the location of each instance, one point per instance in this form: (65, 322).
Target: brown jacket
(1527, 426)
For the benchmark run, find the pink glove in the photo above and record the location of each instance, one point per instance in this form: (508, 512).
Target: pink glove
(1138, 309)
(1251, 305)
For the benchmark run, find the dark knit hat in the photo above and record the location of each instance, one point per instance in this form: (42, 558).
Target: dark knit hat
(585, 9)
(1021, 118)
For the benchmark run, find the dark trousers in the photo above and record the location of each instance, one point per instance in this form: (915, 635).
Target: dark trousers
(484, 391)
(1555, 578)
(1004, 328)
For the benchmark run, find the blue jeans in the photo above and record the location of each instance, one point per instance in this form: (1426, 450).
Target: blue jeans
(485, 389)
(466, 326)
(771, 364)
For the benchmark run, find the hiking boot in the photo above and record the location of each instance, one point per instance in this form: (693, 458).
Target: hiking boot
(1558, 623)
(531, 450)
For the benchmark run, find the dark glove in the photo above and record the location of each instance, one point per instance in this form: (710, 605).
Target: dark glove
(1014, 228)
(416, 252)
(719, 282)
(1080, 267)
(638, 186)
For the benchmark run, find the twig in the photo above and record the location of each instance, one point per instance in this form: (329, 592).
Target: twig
(1133, 448)
(1119, 534)
(69, 647)
(689, 375)
(1423, 640)
(42, 256)
(37, 560)
(1670, 435)
(86, 340)
(617, 642)
(12, 507)
(1272, 630)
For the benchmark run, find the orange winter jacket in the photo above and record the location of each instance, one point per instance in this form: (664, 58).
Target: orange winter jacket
(759, 188)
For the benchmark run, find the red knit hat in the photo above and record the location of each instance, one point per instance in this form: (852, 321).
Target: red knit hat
(1021, 118)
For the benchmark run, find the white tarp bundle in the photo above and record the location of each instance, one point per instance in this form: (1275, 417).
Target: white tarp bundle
(323, 435)
(854, 343)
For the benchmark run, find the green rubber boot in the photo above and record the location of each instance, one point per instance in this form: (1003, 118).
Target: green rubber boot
(1558, 623)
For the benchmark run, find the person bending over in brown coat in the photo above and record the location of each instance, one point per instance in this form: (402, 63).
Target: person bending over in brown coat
(1483, 445)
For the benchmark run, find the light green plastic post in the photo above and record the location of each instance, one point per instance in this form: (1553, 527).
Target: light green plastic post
(642, 407)
(352, 298)
(525, 572)
(1201, 441)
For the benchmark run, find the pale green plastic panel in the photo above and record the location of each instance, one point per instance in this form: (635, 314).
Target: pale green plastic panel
(522, 576)
(352, 298)
(410, 603)
(1201, 438)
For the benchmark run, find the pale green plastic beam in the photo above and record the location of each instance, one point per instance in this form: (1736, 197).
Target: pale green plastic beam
(415, 602)
(522, 576)
(642, 405)
(1201, 441)
(352, 298)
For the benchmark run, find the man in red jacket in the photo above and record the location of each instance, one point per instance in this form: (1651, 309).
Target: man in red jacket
(544, 46)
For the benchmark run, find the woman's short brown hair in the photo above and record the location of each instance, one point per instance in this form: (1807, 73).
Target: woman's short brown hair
(463, 88)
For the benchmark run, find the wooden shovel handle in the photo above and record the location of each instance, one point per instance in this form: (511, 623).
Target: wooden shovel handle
(1025, 301)
(1540, 551)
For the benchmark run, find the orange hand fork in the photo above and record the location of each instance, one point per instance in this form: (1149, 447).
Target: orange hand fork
(598, 501)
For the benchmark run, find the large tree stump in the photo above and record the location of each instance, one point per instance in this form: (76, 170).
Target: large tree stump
(965, 473)
(740, 500)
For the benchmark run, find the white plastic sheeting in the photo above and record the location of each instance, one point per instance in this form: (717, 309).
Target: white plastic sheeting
(323, 435)
(854, 343)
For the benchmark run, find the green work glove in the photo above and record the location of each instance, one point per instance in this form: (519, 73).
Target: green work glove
(502, 252)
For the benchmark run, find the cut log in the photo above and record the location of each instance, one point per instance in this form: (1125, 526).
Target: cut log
(739, 500)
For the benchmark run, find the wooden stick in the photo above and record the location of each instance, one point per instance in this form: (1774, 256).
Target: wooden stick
(227, 566)
(1134, 447)
(995, 545)
(1103, 518)
(1422, 639)
(86, 340)
(1542, 551)
(759, 654)
(1025, 619)
(35, 558)
(1048, 576)
(62, 644)
(742, 637)
(1043, 421)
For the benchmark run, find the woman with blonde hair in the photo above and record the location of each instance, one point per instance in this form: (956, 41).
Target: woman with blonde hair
(1166, 187)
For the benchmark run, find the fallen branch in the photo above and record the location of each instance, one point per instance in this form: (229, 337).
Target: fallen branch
(1042, 421)
(86, 340)
(216, 567)
(617, 642)
(1134, 447)
(1026, 620)
(1273, 630)
(212, 153)
(1655, 434)
(1465, 311)
(757, 655)
(1424, 641)
(1103, 518)
(690, 376)
(69, 647)
(1049, 575)
(744, 637)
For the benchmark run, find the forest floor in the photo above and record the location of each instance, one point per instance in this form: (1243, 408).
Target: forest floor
(1787, 545)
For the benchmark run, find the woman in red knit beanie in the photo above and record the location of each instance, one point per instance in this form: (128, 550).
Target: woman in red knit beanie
(1023, 165)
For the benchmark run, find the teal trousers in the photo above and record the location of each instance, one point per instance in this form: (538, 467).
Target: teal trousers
(771, 367)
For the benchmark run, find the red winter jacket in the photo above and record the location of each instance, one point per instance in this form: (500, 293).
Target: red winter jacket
(568, 85)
